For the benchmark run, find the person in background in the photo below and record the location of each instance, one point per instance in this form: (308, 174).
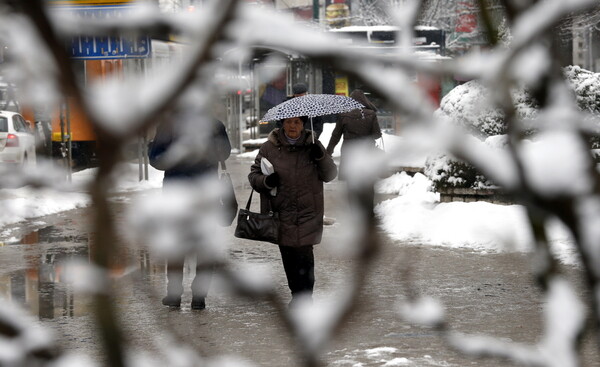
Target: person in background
(355, 126)
(195, 168)
(300, 168)
(299, 89)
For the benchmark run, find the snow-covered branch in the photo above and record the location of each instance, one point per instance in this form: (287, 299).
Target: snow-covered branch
(538, 172)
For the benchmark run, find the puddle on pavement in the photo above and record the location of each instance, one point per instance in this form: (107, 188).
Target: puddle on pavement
(40, 286)
(45, 235)
(51, 234)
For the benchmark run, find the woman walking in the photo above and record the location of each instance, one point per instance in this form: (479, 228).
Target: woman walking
(300, 168)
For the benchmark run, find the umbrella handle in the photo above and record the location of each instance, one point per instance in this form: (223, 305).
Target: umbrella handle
(312, 130)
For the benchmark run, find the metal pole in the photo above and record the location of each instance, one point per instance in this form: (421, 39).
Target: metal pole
(69, 144)
(590, 33)
(140, 158)
(146, 158)
(240, 101)
(252, 113)
(63, 152)
(143, 139)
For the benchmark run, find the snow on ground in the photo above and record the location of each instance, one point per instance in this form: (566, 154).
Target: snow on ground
(417, 216)
(21, 204)
(389, 144)
(249, 155)
(255, 141)
(17, 205)
(383, 356)
(414, 215)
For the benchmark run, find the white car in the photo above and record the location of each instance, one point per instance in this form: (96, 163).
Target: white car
(17, 142)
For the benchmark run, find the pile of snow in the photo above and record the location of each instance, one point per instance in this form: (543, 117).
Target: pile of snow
(128, 178)
(248, 155)
(325, 137)
(416, 216)
(17, 205)
(257, 141)
(414, 189)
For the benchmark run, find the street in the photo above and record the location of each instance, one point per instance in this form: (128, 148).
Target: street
(490, 294)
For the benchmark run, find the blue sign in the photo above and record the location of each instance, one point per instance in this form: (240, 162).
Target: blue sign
(103, 47)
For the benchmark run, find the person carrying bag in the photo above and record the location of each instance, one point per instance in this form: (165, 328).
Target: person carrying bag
(257, 226)
(192, 168)
(300, 166)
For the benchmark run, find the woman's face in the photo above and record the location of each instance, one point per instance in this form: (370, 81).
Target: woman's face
(293, 127)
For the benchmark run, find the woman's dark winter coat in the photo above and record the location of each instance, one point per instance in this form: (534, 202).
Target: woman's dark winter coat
(218, 150)
(299, 199)
(355, 126)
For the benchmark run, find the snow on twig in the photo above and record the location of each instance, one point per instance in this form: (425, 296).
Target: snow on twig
(127, 111)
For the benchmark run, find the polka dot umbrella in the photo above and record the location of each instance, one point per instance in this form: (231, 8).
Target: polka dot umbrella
(312, 105)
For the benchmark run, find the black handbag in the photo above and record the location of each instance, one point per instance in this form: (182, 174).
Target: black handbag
(257, 226)
(229, 203)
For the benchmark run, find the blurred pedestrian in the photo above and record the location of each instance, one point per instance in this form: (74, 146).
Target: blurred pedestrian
(300, 168)
(299, 89)
(356, 126)
(193, 168)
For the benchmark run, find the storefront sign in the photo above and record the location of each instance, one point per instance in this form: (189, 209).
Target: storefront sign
(341, 85)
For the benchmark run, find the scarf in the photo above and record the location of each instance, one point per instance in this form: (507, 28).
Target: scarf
(290, 140)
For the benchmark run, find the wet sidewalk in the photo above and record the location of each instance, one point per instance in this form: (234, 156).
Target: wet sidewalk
(490, 294)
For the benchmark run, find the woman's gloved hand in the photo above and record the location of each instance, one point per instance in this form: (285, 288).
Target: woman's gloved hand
(272, 180)
(315, 152)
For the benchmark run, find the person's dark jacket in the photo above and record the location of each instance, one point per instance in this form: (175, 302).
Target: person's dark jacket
(219, 149)
(299, 200)
(356, 125)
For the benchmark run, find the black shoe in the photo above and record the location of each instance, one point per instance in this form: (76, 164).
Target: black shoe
(198, 303)
(172, 301)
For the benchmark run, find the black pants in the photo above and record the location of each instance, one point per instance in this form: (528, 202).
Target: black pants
(363, 199)
(299, 265)
(200, 284)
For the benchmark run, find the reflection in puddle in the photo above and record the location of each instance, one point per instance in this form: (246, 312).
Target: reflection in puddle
(41, 287)
(51, 234)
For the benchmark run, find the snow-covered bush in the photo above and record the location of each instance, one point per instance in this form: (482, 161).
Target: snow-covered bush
(586, 85)
(468, 106)
(446, 171)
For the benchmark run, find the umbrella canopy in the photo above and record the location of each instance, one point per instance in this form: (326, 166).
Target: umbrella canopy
(312, 105)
